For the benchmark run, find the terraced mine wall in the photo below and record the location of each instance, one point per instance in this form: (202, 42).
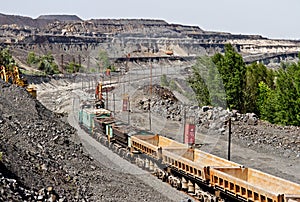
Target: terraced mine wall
(141, 38)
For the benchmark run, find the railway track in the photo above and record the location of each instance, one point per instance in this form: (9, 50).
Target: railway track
(144, 162)
(204, 176)
(229, 191)
(112, 160)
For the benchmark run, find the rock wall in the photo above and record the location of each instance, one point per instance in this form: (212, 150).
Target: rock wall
(137, 37)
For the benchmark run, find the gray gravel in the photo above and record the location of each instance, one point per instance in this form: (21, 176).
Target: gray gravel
(111, 160)
(272, 149)
(43, 159)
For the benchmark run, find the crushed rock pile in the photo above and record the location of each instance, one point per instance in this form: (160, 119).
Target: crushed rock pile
(269, 138)
(247, 129)
(42, 159)
(11, 190)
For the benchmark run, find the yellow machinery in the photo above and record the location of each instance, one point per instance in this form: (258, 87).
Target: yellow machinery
(99, 96)
(14, 78)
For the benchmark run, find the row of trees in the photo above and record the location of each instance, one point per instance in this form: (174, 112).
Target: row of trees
(225, 80)
(280, 103)
(46, 63)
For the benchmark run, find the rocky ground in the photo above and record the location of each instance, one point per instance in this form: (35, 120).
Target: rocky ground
(257, 144)
(42, 159)
(246, 128)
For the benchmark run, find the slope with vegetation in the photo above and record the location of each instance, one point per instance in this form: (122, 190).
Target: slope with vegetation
(225, 80)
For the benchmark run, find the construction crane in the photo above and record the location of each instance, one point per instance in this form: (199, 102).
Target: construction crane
(14, 78)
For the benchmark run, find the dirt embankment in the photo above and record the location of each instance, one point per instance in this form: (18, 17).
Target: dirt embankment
(42, 158)
(42, 152)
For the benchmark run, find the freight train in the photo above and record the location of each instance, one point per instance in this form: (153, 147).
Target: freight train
(205, 176)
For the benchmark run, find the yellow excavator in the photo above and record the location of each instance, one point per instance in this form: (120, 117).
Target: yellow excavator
(14, 78)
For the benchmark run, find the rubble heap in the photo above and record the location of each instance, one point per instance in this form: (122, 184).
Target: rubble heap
(42, 159)
(247, 129)
(11, 190)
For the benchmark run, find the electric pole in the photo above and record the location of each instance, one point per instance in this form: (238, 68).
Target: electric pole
(128, 111)
(114, 103)
(184, 123)
(150, 92)
(106, 98)
(229, 138)
(88, 63)
(149, 106)
(62, 63)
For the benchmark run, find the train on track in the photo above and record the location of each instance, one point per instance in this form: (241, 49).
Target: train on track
(204, 176)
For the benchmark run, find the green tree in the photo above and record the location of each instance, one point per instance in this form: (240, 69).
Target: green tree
(200, 88)
(281, 105)
(233, 73)
(207, 83)
(172, 85)
(6, 59)
(31, 58)
(287, 93)
(266, 102)
(112, 68)
(103, 60)
(47, 64)
(72, 67)
(164, 80)
(255, 74)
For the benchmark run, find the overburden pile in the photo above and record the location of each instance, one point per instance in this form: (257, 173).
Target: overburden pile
(247, 129)
(38, 150)
(42, 159)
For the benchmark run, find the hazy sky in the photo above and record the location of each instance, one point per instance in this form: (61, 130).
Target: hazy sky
(269, 18)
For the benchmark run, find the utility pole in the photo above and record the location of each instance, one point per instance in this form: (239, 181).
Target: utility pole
(124, 89)
(229, 138)
(62, 63)
(150, 92)
(106, 98)
(128, 118)
(167, 70)
(88, 63)
(184, 123)
(149, 106)
(114, 103)
(79, 60)
(127, 67)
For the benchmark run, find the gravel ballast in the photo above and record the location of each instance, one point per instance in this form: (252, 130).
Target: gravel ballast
(43, 159)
